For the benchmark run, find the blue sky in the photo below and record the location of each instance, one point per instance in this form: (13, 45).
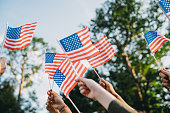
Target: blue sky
(56, 19)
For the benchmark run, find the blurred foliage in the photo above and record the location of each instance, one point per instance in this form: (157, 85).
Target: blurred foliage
(24, 65)
(133, 71)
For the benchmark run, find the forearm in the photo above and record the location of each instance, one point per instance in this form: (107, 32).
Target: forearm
(111, 103)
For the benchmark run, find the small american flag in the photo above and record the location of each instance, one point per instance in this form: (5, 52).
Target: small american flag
(20, 37)
(165, 4)
(65, 75)
(106, 53)
(52, 62)
(155, 40)
(79, 46)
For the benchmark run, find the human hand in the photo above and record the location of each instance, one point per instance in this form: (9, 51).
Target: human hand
(165, 74)
(88, 87)
(50, 108)
(108, 86)
(2, 65)
(55, 100)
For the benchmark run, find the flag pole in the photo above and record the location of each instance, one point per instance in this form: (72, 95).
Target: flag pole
(67, 57)
(70, 101)
(96, 73)
(4, 39)
(162, 9)
(151, 52)
(73, 104)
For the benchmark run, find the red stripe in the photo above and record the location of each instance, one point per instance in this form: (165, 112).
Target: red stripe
(158, 47)
(27, 30)
(22, 35)
(28, 27)
(67, 80)
(16, 41)
(81, 50)
(82, 30)
(29, 40)
(15, 48)
(156, 43)
(30, 24)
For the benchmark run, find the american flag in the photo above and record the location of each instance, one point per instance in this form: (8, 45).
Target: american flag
(155, 40)
(106, 53)
(165, 4)
(52, 62)
(20, 37)
(79, 46)
(65, 75)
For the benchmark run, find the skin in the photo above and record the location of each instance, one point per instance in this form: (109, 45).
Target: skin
(55, 103)
(165, 77)
(2, 65)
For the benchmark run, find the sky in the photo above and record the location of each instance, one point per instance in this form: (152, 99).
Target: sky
(56, 19)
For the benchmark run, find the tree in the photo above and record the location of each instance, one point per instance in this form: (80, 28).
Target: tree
(133, 73)
(8, 101)
(24, 64)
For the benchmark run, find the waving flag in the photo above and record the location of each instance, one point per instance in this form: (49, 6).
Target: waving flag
(165, 5)
(52, 62)
(20, 37)
(65, 75)
(106, 53)
(79, 46)
(155, 40)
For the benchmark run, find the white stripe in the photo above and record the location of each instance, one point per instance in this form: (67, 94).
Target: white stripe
(101, 42)
(79, 51)
(154, 43)
(157, 46)
(18, 42)
(83, 32)
(74, 74)
(99, 56)
(17, 46)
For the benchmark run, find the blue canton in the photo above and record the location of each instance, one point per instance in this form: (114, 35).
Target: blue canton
(165, 4)
(13, 33)
(49, 57)
(71, 43)
(150, 36)
(58, 77)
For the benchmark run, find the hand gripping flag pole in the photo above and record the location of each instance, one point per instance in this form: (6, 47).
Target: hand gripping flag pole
(162, 9)
(2, 46)
(70, 101)
(75, 72)
(151, 52)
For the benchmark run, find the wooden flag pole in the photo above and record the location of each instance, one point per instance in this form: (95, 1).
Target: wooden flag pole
(2, 46)
(67, 57)
(97, 73)
(73, 104)
(162, 9)
(151, 52)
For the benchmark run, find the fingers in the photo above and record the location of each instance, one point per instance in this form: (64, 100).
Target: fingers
(164, 71)
(80, 79)
(164, 80)
(163, 75)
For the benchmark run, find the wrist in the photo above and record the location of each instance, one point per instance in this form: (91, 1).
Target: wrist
(62, 109)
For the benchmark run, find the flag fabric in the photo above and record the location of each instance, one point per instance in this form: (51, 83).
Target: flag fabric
(165, 4)
(52, 62)
(106, 53)
(78, 46)
(65, 75)
(155, 40)
(20, 37)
